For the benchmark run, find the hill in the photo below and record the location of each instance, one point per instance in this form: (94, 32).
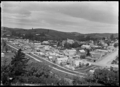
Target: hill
(48, 34)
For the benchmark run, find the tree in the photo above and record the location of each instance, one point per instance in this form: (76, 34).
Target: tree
(62, 82)
(5, 68)
(106, 77)
(40, 73)
(75, 45)
(78, 81)
(112, 37)
(18, 65)
(88, 53)
(116, 45)
(103, 38)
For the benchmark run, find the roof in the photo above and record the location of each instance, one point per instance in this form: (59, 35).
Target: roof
(45, 42)
(102, 50)
(82, 51)
(63, 58)
(96, 55)
(85, 46)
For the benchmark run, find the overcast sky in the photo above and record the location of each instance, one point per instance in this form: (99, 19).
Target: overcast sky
(82, 17)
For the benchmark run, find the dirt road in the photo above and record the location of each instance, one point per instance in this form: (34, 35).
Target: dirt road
(105, 61)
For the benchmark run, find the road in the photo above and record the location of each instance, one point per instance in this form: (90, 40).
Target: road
(105, 61)
(54, 66)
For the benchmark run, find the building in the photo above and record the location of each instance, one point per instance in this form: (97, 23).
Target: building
(110, 48)
(96, 55)
(82, 51)
(47, 47)
(69, 52)
(63, 59)
(70, 67)
(78, 62)
(70, 41)
(100, 50)
(86, 47)
(45, 42)
(91, 71)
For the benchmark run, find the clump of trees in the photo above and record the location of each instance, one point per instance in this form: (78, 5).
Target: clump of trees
(20, 71)
(106, 77)
(116, 45)
(69, 46)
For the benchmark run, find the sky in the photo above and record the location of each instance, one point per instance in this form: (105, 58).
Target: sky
(82, 17)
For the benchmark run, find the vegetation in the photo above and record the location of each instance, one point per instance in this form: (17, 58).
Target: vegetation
(100, 77)
(88, 52)
(106, 77)
(4, 45)
(116, 45)
(19, 71)
(47, 34)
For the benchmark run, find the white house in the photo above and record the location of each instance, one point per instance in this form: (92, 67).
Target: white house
(76, 62)
(45, 42)
(85, 46)
(71, 52)
(47, 47)
(41, 53)
(91, 71)
(82, 51)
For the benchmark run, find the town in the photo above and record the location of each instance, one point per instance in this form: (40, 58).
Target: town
(74, 58)
(59, 43)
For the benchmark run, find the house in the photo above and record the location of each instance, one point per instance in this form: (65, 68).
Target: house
(45, 42)
(70, 67)
(47, 47)
(100, 50)
(91, 71)
(63, 59)
(110, 48)
(37, 44)
(41, 53)
(70, 61)
(70, 41)
(82, 51)
(95, 47)
(71, 51)
(85, 46)
(27, 47)
(77, 62)
(63, 42)
(96, 55)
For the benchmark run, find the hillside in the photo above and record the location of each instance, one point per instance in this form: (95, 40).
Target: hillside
(53, 34)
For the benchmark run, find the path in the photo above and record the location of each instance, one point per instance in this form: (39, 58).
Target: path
(105, 61)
